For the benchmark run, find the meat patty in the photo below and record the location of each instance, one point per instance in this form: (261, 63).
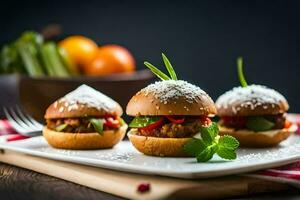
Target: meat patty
(74, 125)
(172, 130)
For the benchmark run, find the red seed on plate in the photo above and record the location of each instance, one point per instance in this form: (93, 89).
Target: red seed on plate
(143, 187)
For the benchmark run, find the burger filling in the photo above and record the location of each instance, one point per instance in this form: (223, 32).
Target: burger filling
(85, 124)
(169, 126)
(256, 123)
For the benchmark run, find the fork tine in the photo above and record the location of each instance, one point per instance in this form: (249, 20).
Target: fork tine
(28, 120)
(38, 124)
(19, 121)
(12, 121)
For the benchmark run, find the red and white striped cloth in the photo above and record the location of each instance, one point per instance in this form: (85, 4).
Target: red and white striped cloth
(289, 174)
(8, 133)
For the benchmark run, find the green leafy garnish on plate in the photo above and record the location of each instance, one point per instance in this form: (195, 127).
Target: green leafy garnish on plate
(159, 73)
(61, 127)
(240, 72)
(97, 124)
(259, 123)
(211, 143)
(142, 121)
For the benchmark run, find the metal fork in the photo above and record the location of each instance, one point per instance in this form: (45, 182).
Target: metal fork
(22, 122)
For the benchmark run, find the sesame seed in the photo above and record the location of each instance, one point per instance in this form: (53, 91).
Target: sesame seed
(250, 96)
(61, 109)
(174, 89)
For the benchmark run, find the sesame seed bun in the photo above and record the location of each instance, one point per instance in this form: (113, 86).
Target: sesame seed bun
(155, 146)
(253, 100)
(248, 138)
(82, 102)
(82, 141)
(171, 98)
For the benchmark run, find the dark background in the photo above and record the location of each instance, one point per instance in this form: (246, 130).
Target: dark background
(202, 39)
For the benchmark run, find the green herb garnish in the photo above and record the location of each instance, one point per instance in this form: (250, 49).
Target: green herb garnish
(211, 143)
(139, 122)
(122, 122)
(61, 127)
(259, 124)
(159, 73)
(240, 72)
(97, 124)
(169, 67)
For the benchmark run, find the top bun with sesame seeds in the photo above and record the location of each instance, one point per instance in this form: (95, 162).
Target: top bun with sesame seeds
(171, 97)
(83, 102)
(253, 100)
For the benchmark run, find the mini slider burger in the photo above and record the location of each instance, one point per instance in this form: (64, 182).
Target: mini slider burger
(84, 119)
(167, 114)
(254, 114)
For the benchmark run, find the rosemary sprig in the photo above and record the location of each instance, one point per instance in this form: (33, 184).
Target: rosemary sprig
(159, 73)
(169, 67)
(240, 72)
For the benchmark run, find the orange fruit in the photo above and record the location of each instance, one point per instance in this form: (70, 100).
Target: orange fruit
(110, 59)
(80, 49)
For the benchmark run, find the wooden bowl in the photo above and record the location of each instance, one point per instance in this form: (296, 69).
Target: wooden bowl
(36, 94)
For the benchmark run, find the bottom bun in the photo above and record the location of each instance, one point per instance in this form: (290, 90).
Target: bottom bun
(81, 141)
(248, 138)
(156, 146)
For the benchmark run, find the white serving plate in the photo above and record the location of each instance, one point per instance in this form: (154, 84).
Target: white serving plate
(123, 157)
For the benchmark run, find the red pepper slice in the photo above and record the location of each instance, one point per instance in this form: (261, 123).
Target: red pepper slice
(287, 124)
(112, 123)
(153, 125)
(205, 120)
(175, 120)
(237, 122)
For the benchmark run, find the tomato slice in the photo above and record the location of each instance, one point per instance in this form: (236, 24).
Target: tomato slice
(153, 125)
(287, 124)
(111, 122)
(175, 120)
(205, 120)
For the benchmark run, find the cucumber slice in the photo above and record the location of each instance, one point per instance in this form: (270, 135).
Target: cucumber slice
(259, 124)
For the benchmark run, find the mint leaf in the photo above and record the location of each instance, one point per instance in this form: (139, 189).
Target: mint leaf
(194, 147)
(226, 153)
(227, 146)
(210, 143)
(97, 124)
(229, 142)
(209, 133)
(206, 154)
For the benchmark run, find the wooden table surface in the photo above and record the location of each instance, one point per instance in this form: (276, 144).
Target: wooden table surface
(19, 183)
